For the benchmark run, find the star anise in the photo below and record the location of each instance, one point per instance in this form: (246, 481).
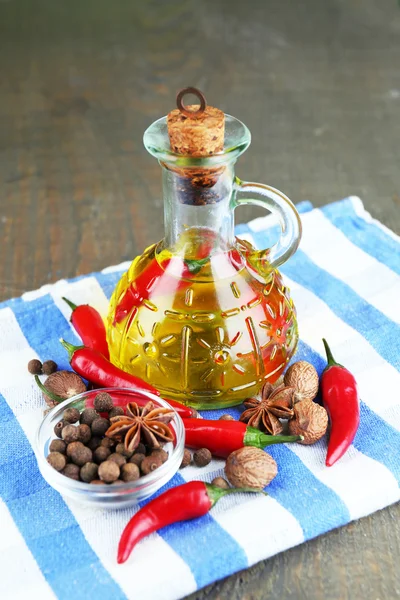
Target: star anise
(147, 423)
(264, 413)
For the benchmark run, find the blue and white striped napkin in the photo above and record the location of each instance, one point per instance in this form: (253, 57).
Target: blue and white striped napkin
(345, 281)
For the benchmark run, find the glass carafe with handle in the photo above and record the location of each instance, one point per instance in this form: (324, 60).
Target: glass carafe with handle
(203, 315)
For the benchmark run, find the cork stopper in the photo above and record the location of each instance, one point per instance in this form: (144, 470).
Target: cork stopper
(197, 129)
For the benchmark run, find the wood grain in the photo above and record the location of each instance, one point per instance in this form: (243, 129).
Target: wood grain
(318, 85)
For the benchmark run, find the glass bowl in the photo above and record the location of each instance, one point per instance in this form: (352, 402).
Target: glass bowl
(109, 496)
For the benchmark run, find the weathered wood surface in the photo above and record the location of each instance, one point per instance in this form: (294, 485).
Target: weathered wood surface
(316, 82)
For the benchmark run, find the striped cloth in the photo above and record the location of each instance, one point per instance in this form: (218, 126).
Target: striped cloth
(346, 286)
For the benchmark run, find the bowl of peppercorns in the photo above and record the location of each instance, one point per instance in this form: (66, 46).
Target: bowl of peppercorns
(111, 447)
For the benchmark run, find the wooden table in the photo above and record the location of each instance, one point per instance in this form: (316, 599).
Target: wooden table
(318, 83)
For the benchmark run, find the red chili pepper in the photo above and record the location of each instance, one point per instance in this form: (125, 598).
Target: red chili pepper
(340, 398)
(164, 277)
(94, 367)
(223, 437)
(89, 326)
(138, 291)
(187, 501)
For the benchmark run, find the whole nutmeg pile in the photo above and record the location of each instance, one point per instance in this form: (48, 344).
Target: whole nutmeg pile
(289, 400)
(102, 446)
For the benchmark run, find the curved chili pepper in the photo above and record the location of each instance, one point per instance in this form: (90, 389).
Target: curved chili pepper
(138, 290)
(223, 437)
(340, 398)
(94, 367)
(89, 326)
(187, 501)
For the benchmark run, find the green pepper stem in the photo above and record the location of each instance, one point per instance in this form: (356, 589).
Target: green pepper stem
(194, 265)
(215, 493)
(329, 356)
(70, 348)
(255, 437)
(70, 304)
(47, 392)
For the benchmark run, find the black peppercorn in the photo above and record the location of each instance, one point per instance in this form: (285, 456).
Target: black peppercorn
(109, 471)
(120, 448)
(94, 442)
(186, 459)
(107, 442)
(73, 446)
(140, 449)
(71, 415)
(202, 457)
(226, 418)
(57, 460)
(97, 482)
(84, 433)
(58, 446)
(220, 482)
(137, 458)
(161, 453)
(150, 463)
(71, 471)
(100, 426)
(70, 433)
(130, 472)
(117, 411)
(101, 454)
(88, 416)
(103, 402)
(117, 482)
(58, 427)
(35, 367)
(118, 458)
(89, 471)
(79, 454)
(49, 367)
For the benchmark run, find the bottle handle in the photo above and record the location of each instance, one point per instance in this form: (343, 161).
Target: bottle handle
(278, 204)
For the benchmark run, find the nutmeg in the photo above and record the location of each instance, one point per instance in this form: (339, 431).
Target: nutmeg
(62, 385)
(304, 378)
(250, 467)
(310, 420)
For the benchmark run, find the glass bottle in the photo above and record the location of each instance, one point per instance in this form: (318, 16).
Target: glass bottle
(202, 315)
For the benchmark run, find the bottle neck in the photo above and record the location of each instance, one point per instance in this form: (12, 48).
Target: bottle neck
(198, 213)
